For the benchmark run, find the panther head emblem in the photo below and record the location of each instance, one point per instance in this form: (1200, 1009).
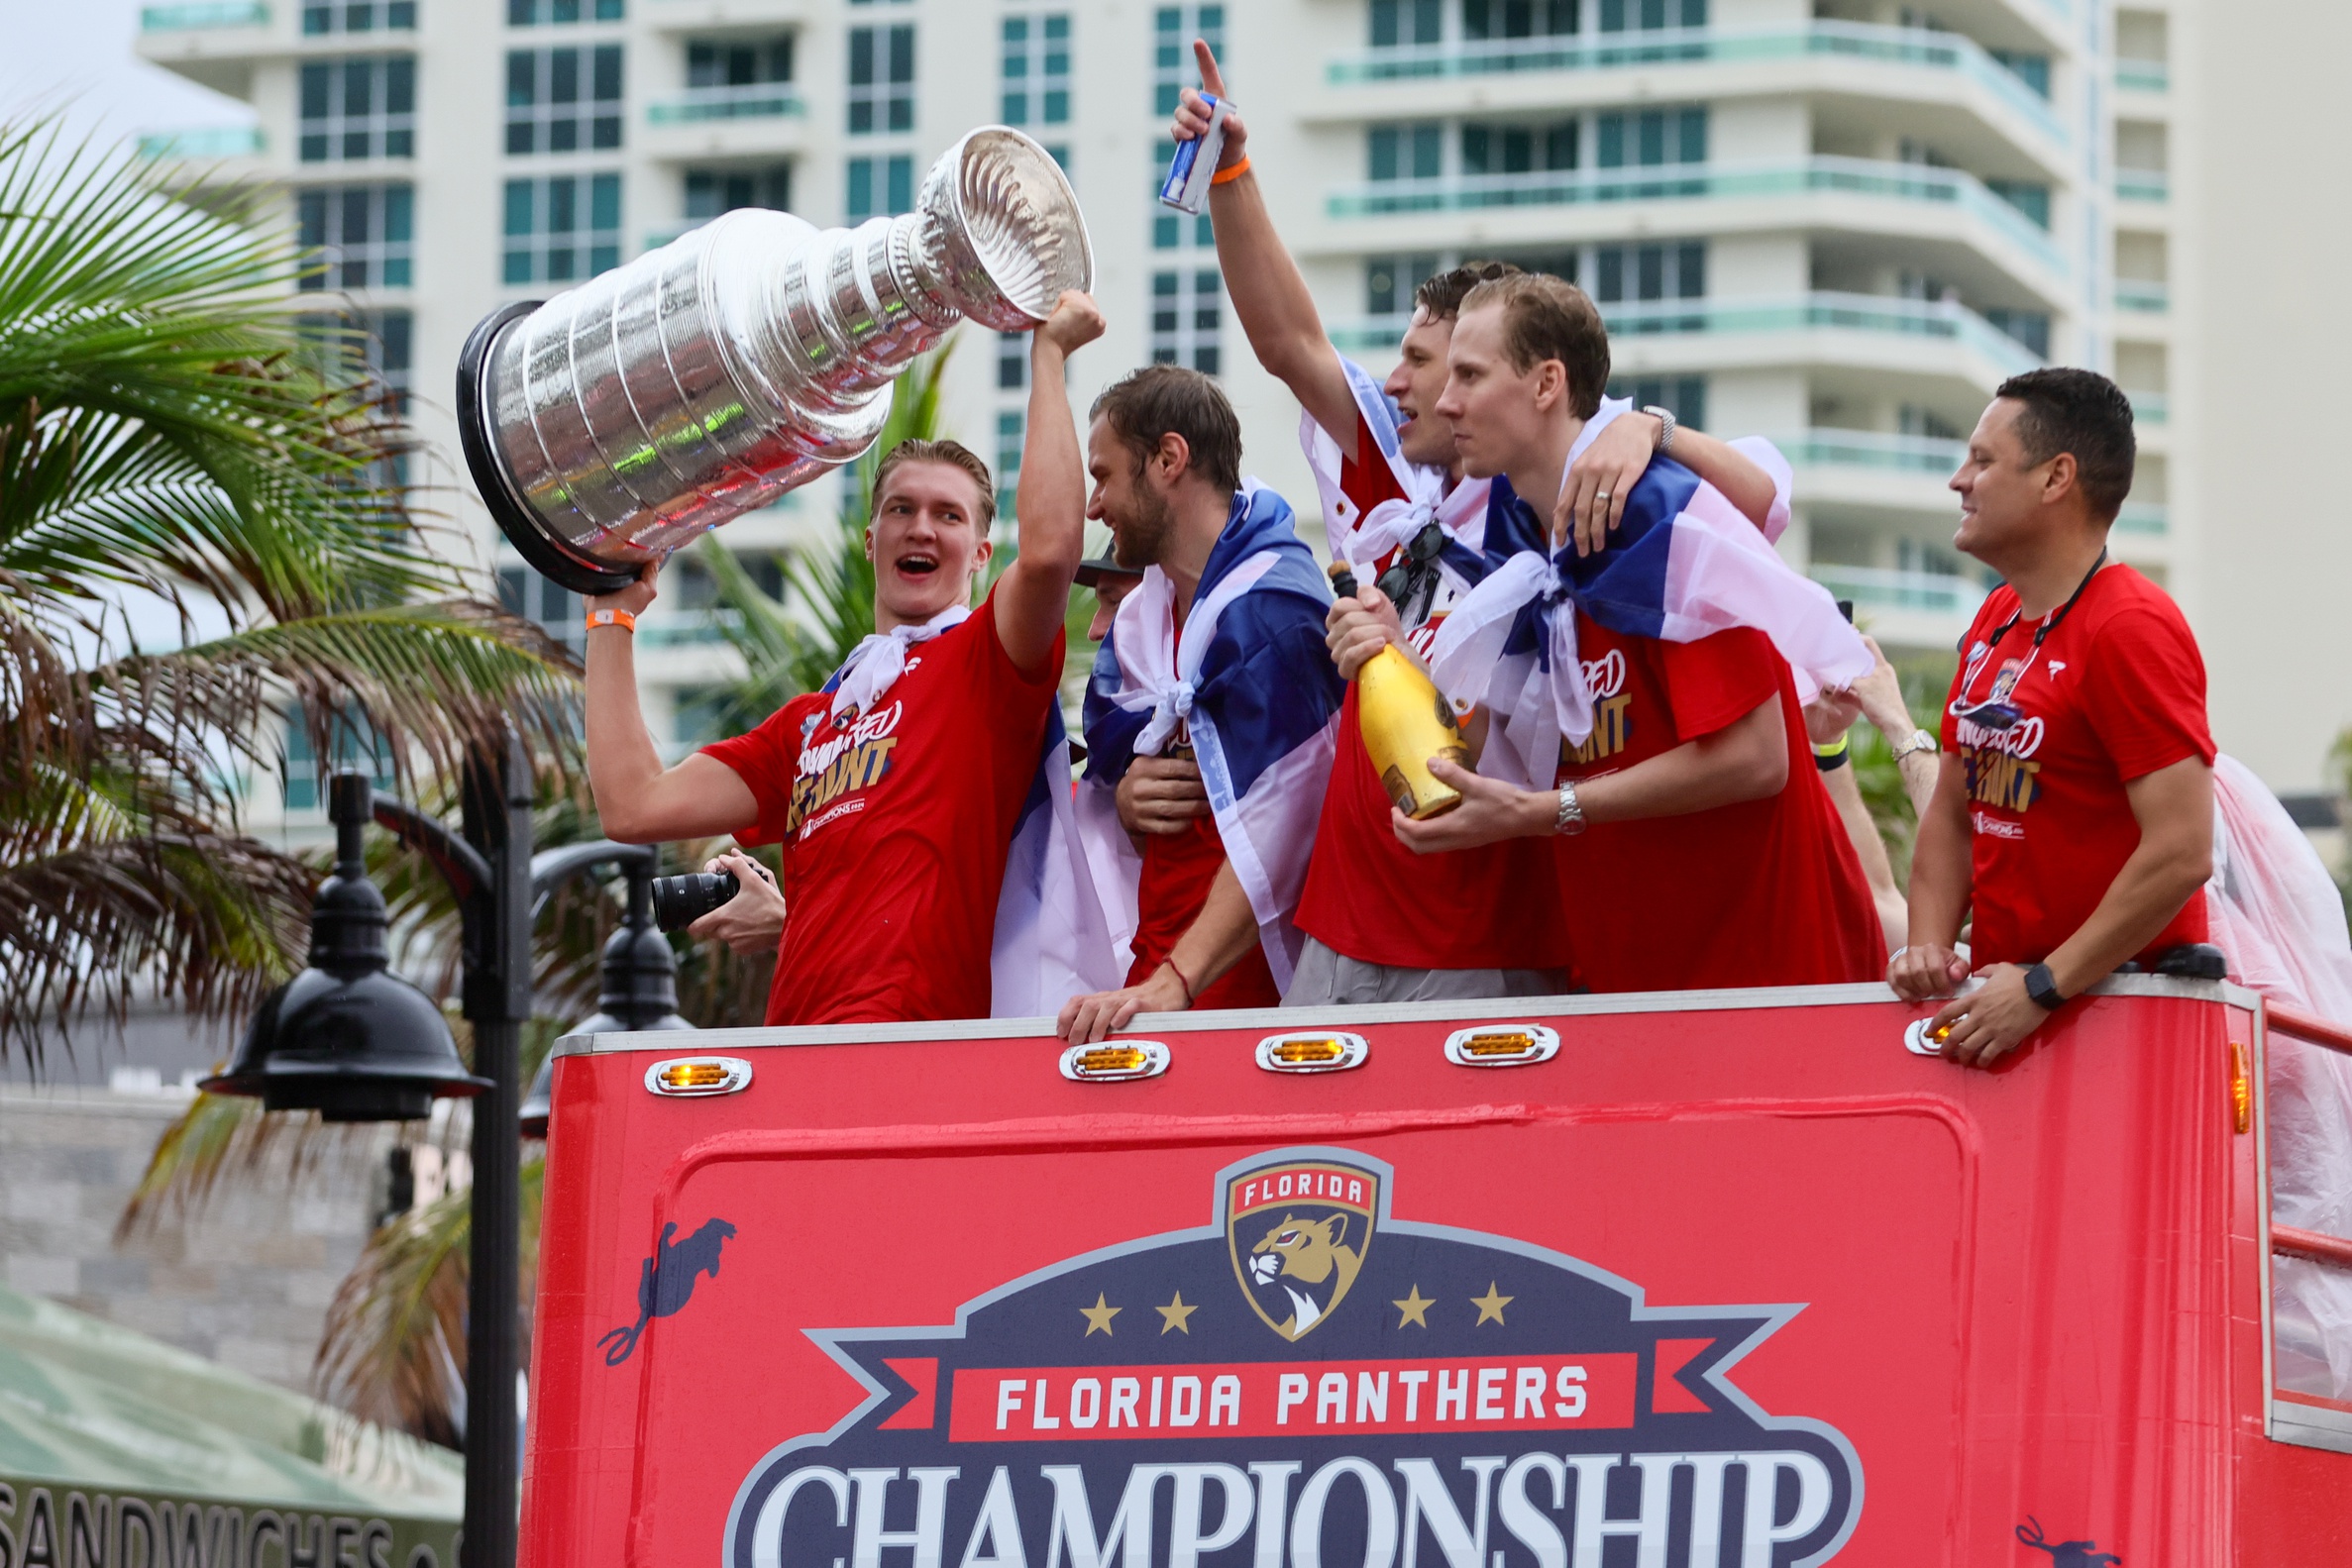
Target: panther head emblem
(1299, 1232)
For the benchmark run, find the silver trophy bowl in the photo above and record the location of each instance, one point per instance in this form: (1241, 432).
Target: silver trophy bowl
(614, 423)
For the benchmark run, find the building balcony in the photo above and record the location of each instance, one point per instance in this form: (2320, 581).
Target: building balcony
(1911, 201)
(2143, 294)
(2147, 519)
(211, 13)
(1861, 475)
(2143, 185)
(1901, 590)
(2143, 75)
(205, 144)
(1866, 332)
(1765, 53)
(2149, 408)
(752, 101)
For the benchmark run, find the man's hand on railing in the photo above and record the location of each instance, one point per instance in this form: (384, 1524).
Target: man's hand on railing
(1990, 1022)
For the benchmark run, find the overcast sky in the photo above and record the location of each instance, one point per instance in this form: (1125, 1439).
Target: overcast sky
(75, 54)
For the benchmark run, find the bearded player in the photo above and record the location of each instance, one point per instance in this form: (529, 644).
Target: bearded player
(894, 790)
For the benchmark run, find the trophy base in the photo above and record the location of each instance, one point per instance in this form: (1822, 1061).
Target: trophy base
(546, 555)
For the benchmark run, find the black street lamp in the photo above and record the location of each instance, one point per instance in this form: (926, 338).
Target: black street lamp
(640, 973)
(347, 1038)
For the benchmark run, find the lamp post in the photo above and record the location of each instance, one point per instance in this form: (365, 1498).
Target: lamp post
(639, 971)
(346, 1038)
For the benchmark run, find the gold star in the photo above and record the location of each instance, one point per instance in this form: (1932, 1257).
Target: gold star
(1490, 1306)
(1100, 1316)
(1414, 1308)
(1173, 1315)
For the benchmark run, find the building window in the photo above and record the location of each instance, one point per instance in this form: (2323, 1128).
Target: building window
(359, 108)
(561, 100)
(880, 80)
(1012, 430)
(1173, 69)
(1389, 282)
(1620, 16)
(2028, 197)
(1501, 19)
(1036, 68)
(1404, 151)
(359, 236)
(1652, 137)
(1185, 315)
(1401, 22)
(360, 15)
(555, 608)
(739, 65)
(880, 187)
(1013, 362)
(1649, 272)
(2031, 70)
(1686, 395)
(1518, 149)
(377, 347)
(712, 192)
(350, 739)
(562, 228)
(531, 13)
(2029, 327)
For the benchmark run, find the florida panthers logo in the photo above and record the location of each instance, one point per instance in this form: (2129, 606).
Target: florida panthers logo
(1299, 1232)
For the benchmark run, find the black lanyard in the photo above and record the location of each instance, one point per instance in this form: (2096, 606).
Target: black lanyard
(1993, 642)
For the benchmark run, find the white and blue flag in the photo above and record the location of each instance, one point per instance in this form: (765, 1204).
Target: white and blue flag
(1251, 688)
(1684, 564)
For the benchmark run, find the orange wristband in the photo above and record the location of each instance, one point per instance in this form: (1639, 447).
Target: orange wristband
(1226, 176)
(620, 618)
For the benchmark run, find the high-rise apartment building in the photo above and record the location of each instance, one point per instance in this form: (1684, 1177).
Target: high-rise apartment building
(1839, 223)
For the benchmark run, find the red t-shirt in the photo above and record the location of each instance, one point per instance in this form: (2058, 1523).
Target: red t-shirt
(1370, 898)
(2116, 692)
(1169, 894)
(1763, 892)
(894, 830)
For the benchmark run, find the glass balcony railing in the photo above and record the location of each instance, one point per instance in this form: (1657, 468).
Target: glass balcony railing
(2149, 408)
(2142, 293)
(1826, 447)
(1822, 311)
(2143, 185)
(2143, 75)
(753, 101)
(2148, 518)
(1875, 588)
(205, 142)
(1849, 176)
(212, 13)
(1896, 46)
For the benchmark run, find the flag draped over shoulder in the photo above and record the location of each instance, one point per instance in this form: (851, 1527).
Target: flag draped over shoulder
(1251, 686)
(1364, 539)
(1053, 934)
(1684, 564)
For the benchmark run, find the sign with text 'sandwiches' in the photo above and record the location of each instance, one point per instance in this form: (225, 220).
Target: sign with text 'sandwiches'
(1393, 1396)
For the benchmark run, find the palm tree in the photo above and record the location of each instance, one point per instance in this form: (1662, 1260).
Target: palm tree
(178, 442)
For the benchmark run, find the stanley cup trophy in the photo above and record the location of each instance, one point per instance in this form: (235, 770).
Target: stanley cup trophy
(614, 423)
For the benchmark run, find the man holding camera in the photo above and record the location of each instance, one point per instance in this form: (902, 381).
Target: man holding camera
(894, 790)
(2073, 807)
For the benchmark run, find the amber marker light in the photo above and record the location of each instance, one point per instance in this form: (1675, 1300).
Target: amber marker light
(2241, 1089)
(1502, 1045)
(1311, 1052)
(688, 1077)
(1114, 1061)
(1920, 1040)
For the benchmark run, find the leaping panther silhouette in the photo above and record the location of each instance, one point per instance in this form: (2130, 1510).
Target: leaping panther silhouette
(665, 1282)
(2067, 1555)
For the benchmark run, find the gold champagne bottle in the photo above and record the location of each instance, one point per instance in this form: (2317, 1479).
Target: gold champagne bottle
(1406, 722)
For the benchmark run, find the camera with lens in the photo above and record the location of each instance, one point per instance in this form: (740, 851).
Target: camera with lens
(678, 902)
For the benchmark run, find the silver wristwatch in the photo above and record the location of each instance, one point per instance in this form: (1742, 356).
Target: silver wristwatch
(1916, 741)
(1569, 819)
(1667, 424)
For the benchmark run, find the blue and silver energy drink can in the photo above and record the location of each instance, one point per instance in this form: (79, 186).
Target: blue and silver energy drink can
(1195, 164)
